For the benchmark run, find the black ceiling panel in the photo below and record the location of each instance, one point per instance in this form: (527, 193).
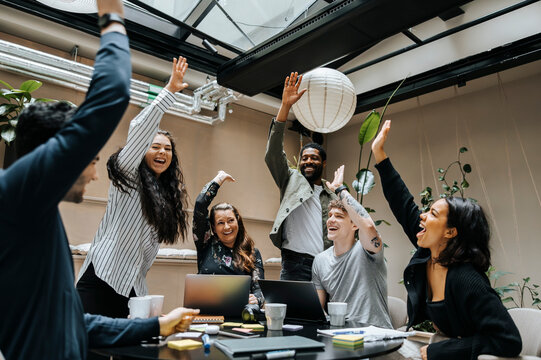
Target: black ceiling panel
(337, 30)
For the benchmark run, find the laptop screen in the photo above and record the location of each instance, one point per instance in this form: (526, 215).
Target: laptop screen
(217, 294)
(299, 296)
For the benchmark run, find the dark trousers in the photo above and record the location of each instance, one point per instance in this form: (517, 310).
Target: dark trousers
(296, 266)
(99, 298)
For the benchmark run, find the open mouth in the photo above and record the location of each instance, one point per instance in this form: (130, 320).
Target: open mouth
(228, 233)
(332, 228)
(422, 232)
(159, 161)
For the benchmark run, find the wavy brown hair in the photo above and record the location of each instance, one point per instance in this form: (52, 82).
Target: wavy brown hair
(163, 198)
(243, 249)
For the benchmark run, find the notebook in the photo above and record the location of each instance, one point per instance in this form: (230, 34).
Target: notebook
(250, 346)
(300, 297)
(224, 295)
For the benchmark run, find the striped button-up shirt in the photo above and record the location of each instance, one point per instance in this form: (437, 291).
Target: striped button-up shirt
(126, 245)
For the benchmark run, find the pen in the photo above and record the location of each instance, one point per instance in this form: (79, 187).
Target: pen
(206, 341)
(277, 354)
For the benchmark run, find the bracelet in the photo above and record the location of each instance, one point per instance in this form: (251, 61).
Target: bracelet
(339, 189)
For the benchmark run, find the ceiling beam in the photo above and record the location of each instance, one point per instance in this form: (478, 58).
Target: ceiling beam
(457, 73)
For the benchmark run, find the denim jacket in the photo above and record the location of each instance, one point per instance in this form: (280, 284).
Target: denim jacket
(294, 188)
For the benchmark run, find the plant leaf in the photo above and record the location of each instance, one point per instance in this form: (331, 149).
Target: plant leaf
(364, 176)
(30, 85)
(467, 168)
(463, 149)
(369, 128)
(464, 184)
(6, 85)
(8, 133)
(7, 108)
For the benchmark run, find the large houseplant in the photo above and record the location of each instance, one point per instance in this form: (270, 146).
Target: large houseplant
(13, 101)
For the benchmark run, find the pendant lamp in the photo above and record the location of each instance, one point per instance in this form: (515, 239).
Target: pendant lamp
(75, 6)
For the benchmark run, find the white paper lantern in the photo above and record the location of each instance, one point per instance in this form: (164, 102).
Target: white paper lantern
(75, 6)
(329, 103)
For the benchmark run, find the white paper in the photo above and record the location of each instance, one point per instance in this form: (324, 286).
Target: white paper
(370, 333)
(189, 335)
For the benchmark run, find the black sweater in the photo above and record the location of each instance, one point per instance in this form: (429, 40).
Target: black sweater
(479, 323)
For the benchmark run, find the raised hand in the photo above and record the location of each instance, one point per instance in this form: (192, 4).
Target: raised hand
(379, 142)
(110, 6)
(291, 93)
(223, 177)
(338, 179)
(176, 82)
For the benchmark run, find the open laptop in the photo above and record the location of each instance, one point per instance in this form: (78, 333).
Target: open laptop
(224, 295)
(300, 296)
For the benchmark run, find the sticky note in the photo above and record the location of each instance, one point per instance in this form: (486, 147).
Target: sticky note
(255, 327)
(231, 324)
(184, 344)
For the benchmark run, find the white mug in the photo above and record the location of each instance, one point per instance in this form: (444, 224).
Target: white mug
(337, 313)
(156, 305)
(139, 307)
(275, 314)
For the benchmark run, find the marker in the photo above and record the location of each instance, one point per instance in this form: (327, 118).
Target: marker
(206, 341)
(277, 354)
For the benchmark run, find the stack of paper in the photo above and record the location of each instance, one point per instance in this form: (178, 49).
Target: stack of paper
(184, 344)
(350, 341)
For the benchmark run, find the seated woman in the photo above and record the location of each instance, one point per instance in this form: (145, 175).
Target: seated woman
(223, 245)
(445, 279)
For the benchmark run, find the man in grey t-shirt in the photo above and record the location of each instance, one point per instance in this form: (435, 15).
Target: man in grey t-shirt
(352, 271)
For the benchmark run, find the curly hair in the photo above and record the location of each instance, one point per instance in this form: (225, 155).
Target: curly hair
(470, 245)
(162, 197)
(39, 122)
(243, 249)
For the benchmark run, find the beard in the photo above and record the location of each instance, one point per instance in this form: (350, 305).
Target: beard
(315, 175)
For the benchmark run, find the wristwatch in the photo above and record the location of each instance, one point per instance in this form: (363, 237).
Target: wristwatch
(339, 189)
(108, 18)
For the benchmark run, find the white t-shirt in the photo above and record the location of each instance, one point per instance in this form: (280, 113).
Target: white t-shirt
(303, 230)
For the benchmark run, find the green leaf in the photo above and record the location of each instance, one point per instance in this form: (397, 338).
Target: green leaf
(440, 178)
(369, 128)
(378, 222)
(441, 171)
(369, 210)
(7, 108)
(498, 274)
(463, 149)
(366, 177)
(30, 85)
(8, 133)
(13, 122)
(526, 280)
(465, 184)
(445, 187)
(46, 100)
(467, 168)
(536, 301)
(507, 299)
(6, 84)
(390, 97)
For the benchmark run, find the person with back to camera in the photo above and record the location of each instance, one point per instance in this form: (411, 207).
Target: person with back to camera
(222, 242)
(42, 316)
(445, 279)
(146, 208)
(300, 227)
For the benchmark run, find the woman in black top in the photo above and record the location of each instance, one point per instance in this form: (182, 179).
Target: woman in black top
(445, 279)
(223, 245)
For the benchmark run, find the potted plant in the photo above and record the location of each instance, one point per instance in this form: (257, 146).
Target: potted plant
(12, 102)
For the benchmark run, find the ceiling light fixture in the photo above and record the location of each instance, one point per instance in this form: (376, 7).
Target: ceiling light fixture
(75, 6)
(209, 47)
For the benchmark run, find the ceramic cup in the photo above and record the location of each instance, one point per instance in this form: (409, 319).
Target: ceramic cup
(337, 313)
(139, 307)
(275, 314)
(156, 305)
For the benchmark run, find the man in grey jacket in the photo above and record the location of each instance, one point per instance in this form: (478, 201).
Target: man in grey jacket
(300, 229)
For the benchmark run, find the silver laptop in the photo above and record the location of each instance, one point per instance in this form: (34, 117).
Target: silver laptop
(300, 296)
(224, 295)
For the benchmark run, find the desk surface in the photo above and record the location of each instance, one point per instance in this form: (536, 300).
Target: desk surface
(370, 349)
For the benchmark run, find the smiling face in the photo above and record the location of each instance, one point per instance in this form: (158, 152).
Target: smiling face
(311, 165)
(226, 227)
(158, 157)
(435, 233)
(339, 226)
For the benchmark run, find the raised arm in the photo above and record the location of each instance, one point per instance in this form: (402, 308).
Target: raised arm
(396, 192)
(144, 126)
(275, 157)
(201, 226)
(368, 235)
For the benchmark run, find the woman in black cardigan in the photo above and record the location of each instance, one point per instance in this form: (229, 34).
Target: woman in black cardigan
(445, 279)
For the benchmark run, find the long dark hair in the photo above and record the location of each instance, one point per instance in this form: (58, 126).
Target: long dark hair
(470, 245)
(243, 249)
(163, 198)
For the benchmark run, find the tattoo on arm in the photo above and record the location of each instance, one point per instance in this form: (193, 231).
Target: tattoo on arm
(376, 241)
(349, 200)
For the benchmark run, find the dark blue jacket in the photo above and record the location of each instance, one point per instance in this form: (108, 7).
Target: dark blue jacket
(41, 315)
